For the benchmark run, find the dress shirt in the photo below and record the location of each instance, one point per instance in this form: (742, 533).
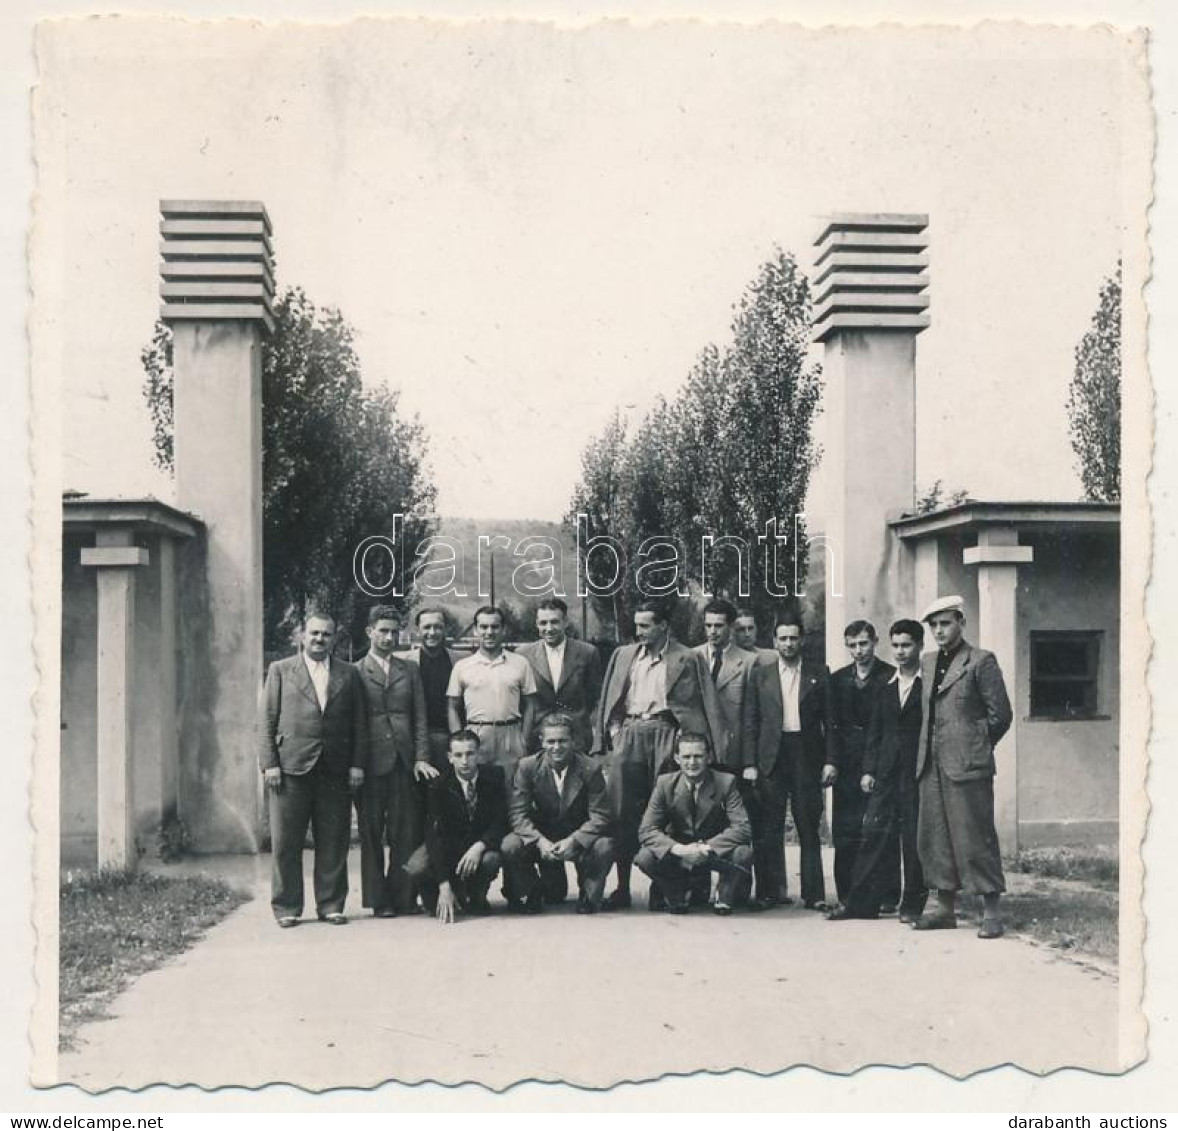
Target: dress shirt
(905, 684)
(555, 661)
(648, 682)
(384, 664)
(791, 682)
(320, 674)
(560, 775)
(491, 688)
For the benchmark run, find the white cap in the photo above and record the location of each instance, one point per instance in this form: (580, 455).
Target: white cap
(951, 604)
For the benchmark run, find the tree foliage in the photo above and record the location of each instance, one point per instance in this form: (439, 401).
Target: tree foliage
(1094, 399)
(732, 450)
(338, 463)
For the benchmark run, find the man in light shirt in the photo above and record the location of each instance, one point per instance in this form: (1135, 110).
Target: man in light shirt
(791, 729)
(313, 751)
(653, 689)
(493, 693)
(567, 671)
(560, 815)
(888, 780)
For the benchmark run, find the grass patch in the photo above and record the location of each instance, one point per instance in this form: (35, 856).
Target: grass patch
(1098, 866)
(1073, 917)
(118, 925)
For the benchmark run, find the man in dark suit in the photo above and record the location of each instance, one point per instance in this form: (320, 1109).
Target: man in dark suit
(568, 674)
(466, 821)
(389, 808)
(888, 781)
(695, 821)
(853, 692)
(792, 734)
(435, 662)
(313, 750)
(559, 814)
(966, 713)
(653, 689)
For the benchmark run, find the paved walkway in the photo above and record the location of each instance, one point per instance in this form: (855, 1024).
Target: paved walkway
(591, 1001)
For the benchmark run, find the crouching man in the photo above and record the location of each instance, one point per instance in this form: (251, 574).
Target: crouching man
(466, 820)
(560, 815)
(695, 819)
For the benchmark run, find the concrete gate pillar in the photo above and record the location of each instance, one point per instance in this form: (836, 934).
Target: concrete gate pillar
(116, 558)
(218, 290)
(998, 556)
(870, 279)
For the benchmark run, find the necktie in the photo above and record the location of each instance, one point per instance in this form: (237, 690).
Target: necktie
(691, 793)
(717, 663)
(471, 799)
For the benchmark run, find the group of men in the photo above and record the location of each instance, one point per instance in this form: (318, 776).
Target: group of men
(682, 761)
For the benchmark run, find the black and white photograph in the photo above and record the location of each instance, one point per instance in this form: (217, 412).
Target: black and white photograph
(588, 553)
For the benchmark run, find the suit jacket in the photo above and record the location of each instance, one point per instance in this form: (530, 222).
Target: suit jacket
(396, 714)
(537, 808)
(971, 712)
(578, 690)
(720, 816)
(813, 707)
(894, 735)
(850, 711)
(295, 734)
(691, 698)
(450, 829)
(732, 693)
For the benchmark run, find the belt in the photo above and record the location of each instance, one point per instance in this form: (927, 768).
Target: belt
(654, 716)
(497, 723)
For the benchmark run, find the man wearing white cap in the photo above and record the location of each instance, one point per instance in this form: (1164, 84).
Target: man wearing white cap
(966, 713)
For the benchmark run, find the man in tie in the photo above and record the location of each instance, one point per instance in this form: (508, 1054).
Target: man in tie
(853, 693)
(567, 671)
(559, 814)
(493, 693)
(695, 822)
(888, 780)
(466, 821)
(389, 808)
(966, 713)
(792, 732)
(653, 688)
(731, 669)
(435, 662)
(313, 750)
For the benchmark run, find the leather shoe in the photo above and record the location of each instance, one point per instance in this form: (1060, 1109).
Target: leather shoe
(935, 923)
(384, 913)
(841, 913)
(478, 905)
(991, 929)
(679, 908)
(335, 918)
(656, 901)
(584, 907)
(817, 905)
(617, 901)
(887, 909)
(288, 921)
(719, 908)
(534, 904)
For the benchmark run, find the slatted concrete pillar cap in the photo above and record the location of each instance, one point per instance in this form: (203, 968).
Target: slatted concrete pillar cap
(217, 261)
(871, 273)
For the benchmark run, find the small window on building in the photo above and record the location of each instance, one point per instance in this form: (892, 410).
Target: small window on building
(1064, 671)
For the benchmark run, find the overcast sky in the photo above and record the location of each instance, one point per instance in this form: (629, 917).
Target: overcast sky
(528, 226)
